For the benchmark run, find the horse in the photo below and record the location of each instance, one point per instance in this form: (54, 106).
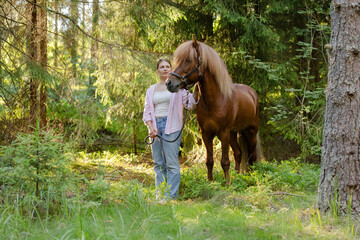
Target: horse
(225, 109)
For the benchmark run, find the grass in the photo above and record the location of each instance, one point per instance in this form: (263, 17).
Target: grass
(274, 201)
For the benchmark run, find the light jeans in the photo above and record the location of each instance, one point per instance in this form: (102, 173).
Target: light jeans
(166, 180)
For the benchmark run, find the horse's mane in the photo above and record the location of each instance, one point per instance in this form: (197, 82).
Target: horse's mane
(210, 60)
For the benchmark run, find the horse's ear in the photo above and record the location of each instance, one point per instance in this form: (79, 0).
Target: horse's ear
(194, 42)
(184, 40)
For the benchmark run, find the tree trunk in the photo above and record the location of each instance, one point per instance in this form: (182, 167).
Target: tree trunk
(339, 187)
(94, 46)
(1, 75)
(132, 78)
(74, 12)
(33, 53)
(56, 37)
(315, 58)
(43, 63)
(134, 138)
(84, 50)
(95, 26)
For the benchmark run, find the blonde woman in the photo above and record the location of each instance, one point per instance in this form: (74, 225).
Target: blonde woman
(163, 115)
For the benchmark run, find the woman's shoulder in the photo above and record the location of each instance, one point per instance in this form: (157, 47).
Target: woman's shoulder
(151, 88)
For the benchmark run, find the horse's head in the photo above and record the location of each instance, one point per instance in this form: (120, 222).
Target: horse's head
(186, 71)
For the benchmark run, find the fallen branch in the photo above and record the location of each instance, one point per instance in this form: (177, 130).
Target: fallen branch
(285, 193)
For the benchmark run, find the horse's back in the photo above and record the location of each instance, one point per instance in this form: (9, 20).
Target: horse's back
(245, 93)
(246, 106)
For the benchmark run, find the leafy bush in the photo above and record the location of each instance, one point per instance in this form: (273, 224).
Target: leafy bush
(289, 175)
(194, 184)
(35, 162)
(98, 190)
(303, 122)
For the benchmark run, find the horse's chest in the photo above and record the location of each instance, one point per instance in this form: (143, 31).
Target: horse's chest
(213, 121)
(209, 125)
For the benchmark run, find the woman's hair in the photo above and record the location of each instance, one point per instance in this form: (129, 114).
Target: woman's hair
(163, 60)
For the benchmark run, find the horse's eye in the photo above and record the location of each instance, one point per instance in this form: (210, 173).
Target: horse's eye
(188, 61)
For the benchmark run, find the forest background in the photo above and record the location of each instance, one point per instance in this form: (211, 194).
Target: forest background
(73, 161)
(81, 68)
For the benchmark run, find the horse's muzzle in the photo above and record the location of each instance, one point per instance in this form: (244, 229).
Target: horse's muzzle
(172, 86)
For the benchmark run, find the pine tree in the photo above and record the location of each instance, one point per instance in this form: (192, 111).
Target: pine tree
(339, 187)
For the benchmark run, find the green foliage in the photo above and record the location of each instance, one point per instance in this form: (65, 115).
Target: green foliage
(34, 162)
(93, 87)
(97, 190)
(286, 176)
(289, 175)
(194, 184)
(302, 123)
(79, 119)
(258, 209)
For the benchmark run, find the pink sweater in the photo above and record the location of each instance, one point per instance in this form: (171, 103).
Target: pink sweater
(175, 113)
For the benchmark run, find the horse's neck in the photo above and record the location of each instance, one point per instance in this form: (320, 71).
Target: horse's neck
(210, 93)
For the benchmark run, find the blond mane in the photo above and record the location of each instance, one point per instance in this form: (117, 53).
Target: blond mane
(209, 60)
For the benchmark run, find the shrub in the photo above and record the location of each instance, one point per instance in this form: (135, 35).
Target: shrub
(98, 190)
(35, 162)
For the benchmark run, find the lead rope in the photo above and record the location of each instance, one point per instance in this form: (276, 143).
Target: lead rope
(169, 141)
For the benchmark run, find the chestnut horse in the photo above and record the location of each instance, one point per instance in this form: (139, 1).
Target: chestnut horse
(226, 110)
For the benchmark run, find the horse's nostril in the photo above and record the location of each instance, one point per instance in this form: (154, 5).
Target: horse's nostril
(168, 83)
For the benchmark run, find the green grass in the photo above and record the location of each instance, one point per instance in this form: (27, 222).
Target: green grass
(274, 201)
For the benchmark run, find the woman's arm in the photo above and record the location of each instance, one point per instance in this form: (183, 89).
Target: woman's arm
(147, 108)
(147, 116)
(152, 130)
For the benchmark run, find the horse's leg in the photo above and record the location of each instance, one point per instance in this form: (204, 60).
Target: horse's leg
(225, 162)
(251, 141)
(244, 159)
(208, 141)
(236, 149)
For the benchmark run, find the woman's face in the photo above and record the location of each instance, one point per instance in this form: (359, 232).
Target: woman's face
(164, 70)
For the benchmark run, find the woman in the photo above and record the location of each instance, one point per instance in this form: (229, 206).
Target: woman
(163, 115)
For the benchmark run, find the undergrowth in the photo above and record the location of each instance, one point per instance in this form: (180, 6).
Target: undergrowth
(287, 176)
(112, 196)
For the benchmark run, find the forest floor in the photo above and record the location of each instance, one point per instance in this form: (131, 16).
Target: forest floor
(275, 200)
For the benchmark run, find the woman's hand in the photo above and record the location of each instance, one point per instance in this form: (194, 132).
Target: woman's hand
(152, 130)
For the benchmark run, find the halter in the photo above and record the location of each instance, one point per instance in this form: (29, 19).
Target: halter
(184, 78)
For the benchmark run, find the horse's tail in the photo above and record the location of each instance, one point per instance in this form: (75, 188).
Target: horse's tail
(245, 154)
(259, 153)
(244, 164)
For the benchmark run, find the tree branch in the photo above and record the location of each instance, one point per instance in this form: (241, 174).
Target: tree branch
(116, 45)
(285, 193)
